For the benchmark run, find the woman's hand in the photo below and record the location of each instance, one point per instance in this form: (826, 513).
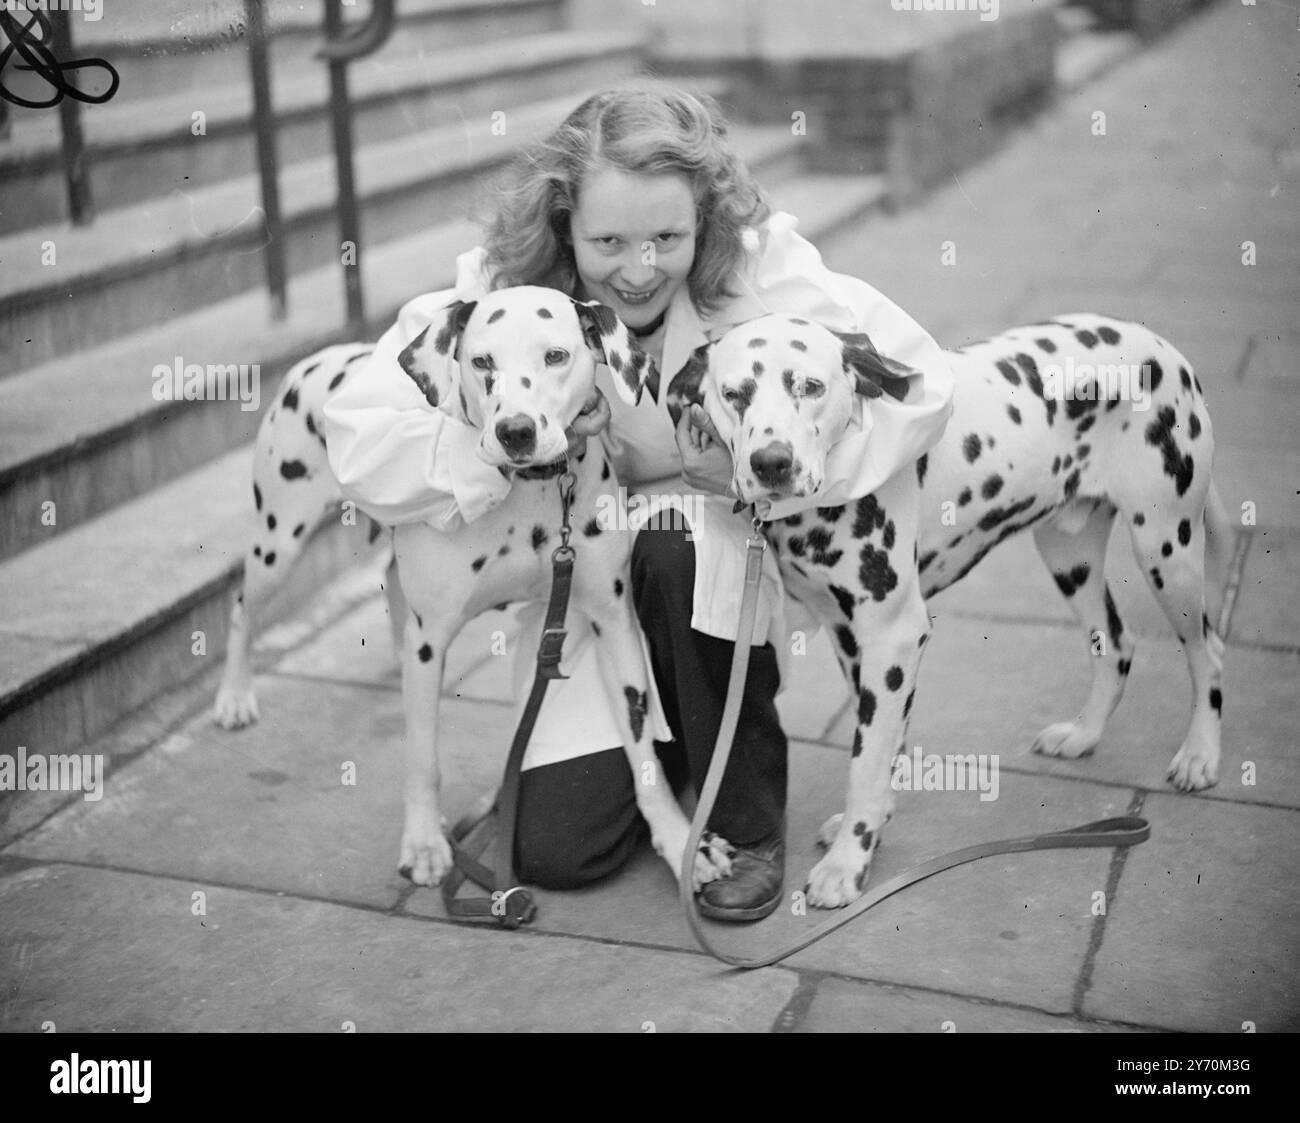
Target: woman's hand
(706, 463)
(593, 418)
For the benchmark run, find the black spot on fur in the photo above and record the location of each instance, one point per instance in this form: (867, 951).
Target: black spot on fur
(1072, 484)
(798, 345)
(894, 677)
(1113, 623)
(991, 487)
(848, 642)
(270, 522)
(1009, 372)
(1086, 338)
(875, 574)
(999, 515)
(595, 628)
(293, 469)
(592, 528)
(907, 705)
(544, 313)
(922, 463)
(1184, 532)
(1178, 466)
(866, 706)
(1085, 424)
(604, 470)
(290, 399)
(297, 530)
(334, 382)
(796, 546)
(1124, 666)
(425, 653)
(1193, 426)
(964, 497)
(270, 558)
(539, 537)
(844, 599)
(1166, 549)
(868, 517)
(636, 708)
(1155, 373)
(1046, 344)
(496, 315)
(478, 563)
(1070, 583)
(257, 497)
(757, 341)
(830, 514)
(1156, 579)
(1185, 377)
(925, 561)
(970, 447)
(1139, 519)
(618, 586)
(501, 553)
(1014, 414)
(887, 538)
(1216, 700)
(1108, 335)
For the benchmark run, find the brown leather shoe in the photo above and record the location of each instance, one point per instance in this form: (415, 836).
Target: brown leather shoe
(754, 888)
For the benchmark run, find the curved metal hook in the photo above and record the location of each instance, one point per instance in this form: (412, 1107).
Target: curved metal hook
(367, 39)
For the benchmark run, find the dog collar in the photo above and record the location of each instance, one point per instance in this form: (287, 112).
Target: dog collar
(543, 471)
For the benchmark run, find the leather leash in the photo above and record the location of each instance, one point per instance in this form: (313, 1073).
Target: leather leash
(1123, 831)
(512, 905)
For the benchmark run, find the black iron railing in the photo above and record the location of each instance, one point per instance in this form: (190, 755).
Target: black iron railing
(338, 51)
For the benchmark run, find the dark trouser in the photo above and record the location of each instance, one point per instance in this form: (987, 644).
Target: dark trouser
(578, 819)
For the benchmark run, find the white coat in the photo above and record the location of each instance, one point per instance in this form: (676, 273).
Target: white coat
(402, 461)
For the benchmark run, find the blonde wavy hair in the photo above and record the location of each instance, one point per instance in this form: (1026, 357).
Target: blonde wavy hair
(650, 128)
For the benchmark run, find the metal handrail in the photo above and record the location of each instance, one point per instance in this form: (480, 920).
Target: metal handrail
(340, 50)
(267, 159)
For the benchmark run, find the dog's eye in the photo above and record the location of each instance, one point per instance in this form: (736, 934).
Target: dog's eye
(811, 387)
(481, 362)
(555, 356)
(730, 394)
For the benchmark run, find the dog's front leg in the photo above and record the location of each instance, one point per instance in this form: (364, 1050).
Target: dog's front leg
(889, 634)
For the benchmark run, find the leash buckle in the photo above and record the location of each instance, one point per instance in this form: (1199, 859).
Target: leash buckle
(550, 650)
(512, 911)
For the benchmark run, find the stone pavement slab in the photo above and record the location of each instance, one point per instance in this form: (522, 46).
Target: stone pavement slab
(844, 1006)
(267, 807)
(991, 686)
(105, 951)
(1210, 897)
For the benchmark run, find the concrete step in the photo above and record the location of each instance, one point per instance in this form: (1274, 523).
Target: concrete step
(95, 623)
(143, 149)
(85, 644)
(828, 202)
(172, 255)
(160, 46)
(86, 444)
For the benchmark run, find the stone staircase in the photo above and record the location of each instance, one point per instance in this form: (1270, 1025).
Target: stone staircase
(123, 518)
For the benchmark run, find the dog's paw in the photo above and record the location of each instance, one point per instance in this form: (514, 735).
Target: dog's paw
(839, 878)
(1194, 768)
(1066, 739)
(234, 709)
(712, 859)
(426, 853)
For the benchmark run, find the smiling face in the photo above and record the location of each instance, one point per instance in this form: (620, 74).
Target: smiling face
(633, 241)
(780, 397)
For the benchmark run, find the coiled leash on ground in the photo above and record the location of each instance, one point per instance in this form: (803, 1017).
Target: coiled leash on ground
(1123, 831)
(510, 904)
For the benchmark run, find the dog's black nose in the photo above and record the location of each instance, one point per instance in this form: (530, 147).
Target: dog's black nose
(772, 463)
(517, 434)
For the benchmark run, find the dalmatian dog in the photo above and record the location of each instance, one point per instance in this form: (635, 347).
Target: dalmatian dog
(525, 365)
(1025, 447)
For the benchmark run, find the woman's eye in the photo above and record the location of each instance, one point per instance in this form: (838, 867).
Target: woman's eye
(555, 356)
(481, 362)
(667, 239)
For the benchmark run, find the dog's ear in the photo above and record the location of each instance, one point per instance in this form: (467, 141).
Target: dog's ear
(430, 357)
(687, 387)
(873, 373)
(612, 344)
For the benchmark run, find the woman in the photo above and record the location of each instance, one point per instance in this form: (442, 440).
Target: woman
(637, 201)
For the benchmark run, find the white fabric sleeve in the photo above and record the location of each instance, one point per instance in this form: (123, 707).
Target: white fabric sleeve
(397, 457)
